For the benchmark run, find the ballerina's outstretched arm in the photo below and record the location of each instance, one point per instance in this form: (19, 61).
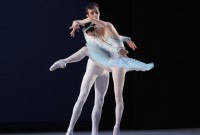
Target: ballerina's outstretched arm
(128, 40)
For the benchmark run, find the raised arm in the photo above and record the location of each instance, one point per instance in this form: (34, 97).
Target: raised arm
(77, 23)
(95, 21)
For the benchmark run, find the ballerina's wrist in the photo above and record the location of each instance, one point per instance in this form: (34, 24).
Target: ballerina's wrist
(77, 22)
(126, 39)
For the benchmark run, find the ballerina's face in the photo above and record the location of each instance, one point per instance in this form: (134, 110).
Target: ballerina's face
(93, 13)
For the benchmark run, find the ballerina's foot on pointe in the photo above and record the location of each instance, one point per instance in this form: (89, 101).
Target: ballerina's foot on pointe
(116, 130)
(69, 132)
(58, 64)
(94, 133)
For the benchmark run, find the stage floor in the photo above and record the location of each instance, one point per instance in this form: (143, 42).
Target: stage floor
(140, 132)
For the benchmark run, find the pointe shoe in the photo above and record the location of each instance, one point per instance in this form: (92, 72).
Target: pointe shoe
(94, 133)
(58, 64)
(69, 132)
(116, 130)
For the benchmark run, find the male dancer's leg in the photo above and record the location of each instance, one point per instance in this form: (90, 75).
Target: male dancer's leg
(101, 86)
(92, 72)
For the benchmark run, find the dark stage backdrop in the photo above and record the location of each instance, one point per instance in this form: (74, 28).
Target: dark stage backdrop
(165, 32)
(34, 34)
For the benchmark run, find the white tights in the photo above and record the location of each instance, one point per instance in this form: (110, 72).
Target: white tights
(118, 75)
(101, 78)
(96, 74)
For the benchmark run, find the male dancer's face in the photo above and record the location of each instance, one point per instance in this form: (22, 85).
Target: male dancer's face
(93, 13)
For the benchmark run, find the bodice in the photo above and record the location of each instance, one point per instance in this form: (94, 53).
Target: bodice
(110, 41)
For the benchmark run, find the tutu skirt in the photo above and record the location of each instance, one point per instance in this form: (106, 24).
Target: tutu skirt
(107, 59)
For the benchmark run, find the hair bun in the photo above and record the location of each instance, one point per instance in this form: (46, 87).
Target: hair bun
(89, 27)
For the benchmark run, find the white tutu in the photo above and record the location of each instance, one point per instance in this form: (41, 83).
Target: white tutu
(102, 54)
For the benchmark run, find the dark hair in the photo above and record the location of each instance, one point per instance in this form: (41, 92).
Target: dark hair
(91, 5)
(87, 25)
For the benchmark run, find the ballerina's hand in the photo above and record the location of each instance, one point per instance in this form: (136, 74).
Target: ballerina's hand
(123, 52)
(75, 26)
(131, 44)
(72, 33)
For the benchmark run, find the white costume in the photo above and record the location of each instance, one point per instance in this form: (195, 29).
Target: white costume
(106, 54)
(105, 57)
(93, 75)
